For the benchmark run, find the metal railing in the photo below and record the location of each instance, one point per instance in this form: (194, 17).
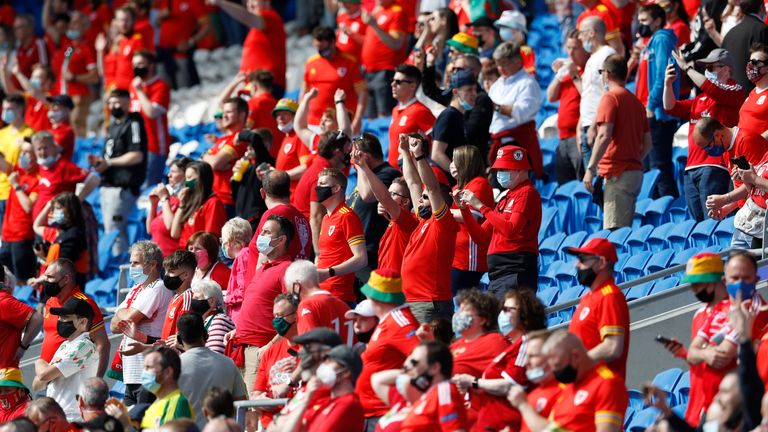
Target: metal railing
(242, 406)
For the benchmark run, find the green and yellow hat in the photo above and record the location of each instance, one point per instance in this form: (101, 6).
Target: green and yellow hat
(704, 267)
(384, 285)
(465, 43)
(285, 104)
(11, 377)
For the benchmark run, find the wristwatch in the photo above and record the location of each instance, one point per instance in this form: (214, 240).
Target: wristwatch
(331, 272)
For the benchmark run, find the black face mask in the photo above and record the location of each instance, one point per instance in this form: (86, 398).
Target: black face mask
(140, 71)
(704, 296)
(51, 289)
(365, 337)
(644, 30)
(172, 282)
(347, 159)
(422, 382)
(425, 212)
(65, 329)
(117, 112)
(586, 276)
(325, 53)
(199, 306)
(566, 375)
(323, 193)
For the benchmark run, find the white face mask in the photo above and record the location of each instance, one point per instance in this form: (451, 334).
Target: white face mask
(326, 374)
(286, 128)
(712, 76)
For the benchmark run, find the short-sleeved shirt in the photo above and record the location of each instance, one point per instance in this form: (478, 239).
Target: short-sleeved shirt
(64, 137)
(409, 117)
(159, 94)
(181, 23)
(339, 232)
(542, 399)
(568, 111)
(354, 26)
(178, 306)
(599, 397)
(753, 116)
(440, 408)
(472, 357)
(696, 399)
(322, 309)
(17, 223)
(343, 414)
(29, 55)
(395, 240)
(391, 343)
(292, 153)
(36, 114)
(449, 128)
(328, 74)
(260, 116)
(376, 55)
(227, 144)
(301, 245)
(254, 327)
(13, 318)
(161, 234)
(604, 12)
(77, 361)
(603, 312)
(10, 146)
(51, 339)
(275, 368)
(128, 135)
(265, 48)
(118, 66)
(63, 176)
(82, 60)
(428, 257)
(210, 217)
(469, 255)
(305, 189)
(374, 224)
(592, 85)
(173, 406)
(629, 127)
(495, 412)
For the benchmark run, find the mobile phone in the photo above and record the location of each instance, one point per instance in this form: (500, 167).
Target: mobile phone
(740, 162)
(663, 340)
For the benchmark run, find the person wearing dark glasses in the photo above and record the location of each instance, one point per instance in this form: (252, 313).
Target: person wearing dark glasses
(753, 117)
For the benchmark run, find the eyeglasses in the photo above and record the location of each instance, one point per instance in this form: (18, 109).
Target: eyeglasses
(394, 194)
(586, 258)
(399, 82)
(757, 62)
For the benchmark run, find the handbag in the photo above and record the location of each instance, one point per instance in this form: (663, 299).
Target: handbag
(750, 219)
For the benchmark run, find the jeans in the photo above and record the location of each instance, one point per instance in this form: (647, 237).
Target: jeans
(464, 279)
(700, 183)
(155, 169)
(586, 149)
(662, 134)
(741, 240)
(568, 163)
(116, 204)
(380, 100)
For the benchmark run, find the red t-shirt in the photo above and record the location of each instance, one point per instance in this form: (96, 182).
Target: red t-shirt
(682, 30)
(158, 136)
(292, 153)
(600, 313)
(393, 418)
(160, 234)
(428, 256)
(305, 189)
(342, 414)
(327, 75)
(36, 114)
(99, 19)
(62, 177)
(757, 194)
(31, 54)
(301, 245)
(17, 223)
(495, 412)
(753, 116)
(747, 144)
(605, 13)
(354, 25)
(568, 112)
(147, 32)
(629, 128)
(82, 60)
(441, 408)
(542, 399)
(599, 397)
(391, 343)
(181, 23)
(376, 55)
(265, 49)
(118, 66)
(275, 368)
(12, 322)
(696, 399)
(64, 137)
(323, 309)
(210, 217)
(255, 326)
(472, 357)
(407, 118)
(260, 116)
(220, 274)
(338, 233)
(395, 240)
(469, 255)
(178, 306)
(51, 338)
(227, 144)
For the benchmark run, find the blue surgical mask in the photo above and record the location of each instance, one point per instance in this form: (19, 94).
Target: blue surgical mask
(48, 161)
(56, 218)
(24, 161)
(137, 274)
(465, 105)
(710, 75)
(149, 381)
(504, 178)
(747, 289)
(535, 375)
(461, 322)
(588, 46)
(224, 253)
(263, 244)
(507, 34)
(505, 323)
(8, 116)
(73, 34)
(714, 150)
(36, 83)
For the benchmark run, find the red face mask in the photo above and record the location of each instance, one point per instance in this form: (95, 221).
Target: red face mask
(11, 400)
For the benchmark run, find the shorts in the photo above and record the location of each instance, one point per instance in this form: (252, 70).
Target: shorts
(619, 197)
(380, 100)
(427, 311)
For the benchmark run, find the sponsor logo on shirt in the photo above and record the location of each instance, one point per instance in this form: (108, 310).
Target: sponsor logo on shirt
(580, 397)
(305, 311)
(584, 313)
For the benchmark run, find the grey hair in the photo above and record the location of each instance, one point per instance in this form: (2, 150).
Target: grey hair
(94, 392)
(596, 24)
(507, 50)
(43, 136)
(209, 288)
(303, 272)
(237, 230)
(150, 252)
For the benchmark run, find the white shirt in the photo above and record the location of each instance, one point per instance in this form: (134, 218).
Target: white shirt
(77, 361)
(522, 93)
(592, 85)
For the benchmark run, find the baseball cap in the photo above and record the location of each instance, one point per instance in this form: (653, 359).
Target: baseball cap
(384, 285)
(348, 358)
(11, 377)
(363, 309)
(103, 422)
(512, 19)
(74, 306)
(464, 42)
(460, 78)
(286, 104)
(703, 267)
(718, 55)
(597, 246)
(62, 100)
(321, 335)
(512, 158)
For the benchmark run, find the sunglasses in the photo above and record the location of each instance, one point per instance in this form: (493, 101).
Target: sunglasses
(424, 196)
(394, 194)
(757, 62)
(399, 82)
(586, 258)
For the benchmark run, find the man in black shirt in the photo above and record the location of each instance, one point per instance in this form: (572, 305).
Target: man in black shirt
(739, 40)
(450, 131)
(123, 166)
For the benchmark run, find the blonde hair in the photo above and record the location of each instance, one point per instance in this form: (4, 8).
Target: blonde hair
(237, 230)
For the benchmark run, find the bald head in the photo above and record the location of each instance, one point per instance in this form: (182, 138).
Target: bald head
(595, 24)
(562, 341)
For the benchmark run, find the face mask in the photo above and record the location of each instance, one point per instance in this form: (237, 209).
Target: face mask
(286, 128)
(425, 212)
(199, 306)
(323, 192)
(461, 322)
(117, 112)
(8, 116)
(365, 337)
(535, 375)
(224, 253)
(505, 324)
(714, 150)
(711, 426)
(137, 274)
(712, 76)
(747, 289)
(48, 161)
(588, 46)
(172, 282)
(51, 289)
(190, 184)
(465, 105)
(644, 30)
(65, 329)
(401, 384)
(566, 375)
(326, 374)
(704, 296)
(263, 244)
(281, 326)
(325, 53)
(586, 276)
(24, 161)
(73, 34)
(140, 71)
(56, 218)
(36, 83)
(507, 34)
(149, 381)
(504, 178)
(422, 382)
(753, 73)
(201, 255)
(56, 116)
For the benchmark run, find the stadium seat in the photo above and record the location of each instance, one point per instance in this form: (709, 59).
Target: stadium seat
(574, 240)
(562, 199)
(659, 261)
(678, 210)
(581, 206)
(554, 320)
(683, 256)
(665, 284)
(639, 291)
(25, 294)
(640, 206)
(649, 183)
(594, 222)
(599, 234)
(680, 409)
(105, 249)
(548, 296)
(724, 232)
(566, 275)
(619, 236)
(677, 236)
(702, 234)
(683, 388)
(548, 223)
(547, 274)
(657, 211)
(666, 381)
(636, 242)
(549, 249)
(657, 240)
(635, 266)
(547, 191)
(628, 415)
(642, 420)
(569, 294)
(118, 389)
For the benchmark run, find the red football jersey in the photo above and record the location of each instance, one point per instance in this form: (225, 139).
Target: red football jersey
(753, 116)
(327, 75)
(179, 305)
(395, 239)
(440, 408)
(376, 55)
(159, 93)
(407, 118)
(322, 309)
(338, 233)
(292, 153)
(352, 25)
(51, 339)
(495, 412)
(542, 399)
(265, 48)
(227, 144)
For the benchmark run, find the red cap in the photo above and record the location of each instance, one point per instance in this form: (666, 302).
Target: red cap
(512, 158)
(441, 177)
(597, 246)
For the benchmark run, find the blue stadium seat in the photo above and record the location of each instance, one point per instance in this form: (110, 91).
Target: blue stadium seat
(677, 236)
(581, 203)
(680, 409)
(713, 249)
(724, 232)
(665, 284)
(549, 144)
(547, 190)
(659, 261)
(666, 381)
(548, 222)
(484, 282)
(569, 294)
(118, 389)
(594, 221)
(574, 240)
(562, 199)
(628, 416)
(657, 240)
(566, 275)
(25, 294)
(701, 236)
(554, 320)
(657, 212)
(619, 236)
(683, 256)
(640, 206)
(649, 183)
(635, 266)
(105, 249)
(548, 296)
(547, 274)
(599, 234)
(639, 291)
(683, 388)
(549, 249)
(619, 265)
(679, 159)
(678, 211)
(642, 420)
(636, 242)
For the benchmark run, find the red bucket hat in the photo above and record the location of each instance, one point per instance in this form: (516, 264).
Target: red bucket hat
(512, 158)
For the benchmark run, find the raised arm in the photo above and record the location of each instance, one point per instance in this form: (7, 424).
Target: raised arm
(239, 13)
(227, 92)
(412, 178)
(342, 117)
(417, 148)
(300, 120)
(377, 188)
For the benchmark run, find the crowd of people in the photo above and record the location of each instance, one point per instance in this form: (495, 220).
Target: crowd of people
(270, 272)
